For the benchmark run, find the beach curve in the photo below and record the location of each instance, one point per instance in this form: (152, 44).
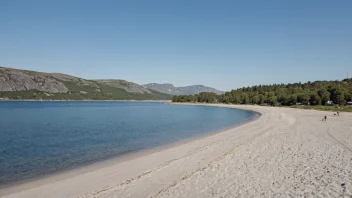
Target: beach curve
(285, 152)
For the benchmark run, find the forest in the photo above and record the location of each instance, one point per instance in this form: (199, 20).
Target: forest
(310, 93)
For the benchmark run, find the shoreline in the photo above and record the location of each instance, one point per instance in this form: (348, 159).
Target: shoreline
(97, 164)
(284, 153)
(25, 100)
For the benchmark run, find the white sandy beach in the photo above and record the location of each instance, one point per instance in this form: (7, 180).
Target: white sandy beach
(284, 153)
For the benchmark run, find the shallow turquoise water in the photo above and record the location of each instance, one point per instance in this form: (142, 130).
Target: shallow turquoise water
(37, 138)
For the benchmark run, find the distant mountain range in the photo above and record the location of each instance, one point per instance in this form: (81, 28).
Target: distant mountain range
(188, 90)
(25, 84)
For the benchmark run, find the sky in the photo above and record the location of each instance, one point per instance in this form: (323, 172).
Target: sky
(222, 44)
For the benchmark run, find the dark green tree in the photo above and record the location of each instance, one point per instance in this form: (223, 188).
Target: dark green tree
(262, 99)
(338, 96)
(303, 98)
(272, 100)
(244, 98)
(324, 95)
(315, 99)
(255, 99)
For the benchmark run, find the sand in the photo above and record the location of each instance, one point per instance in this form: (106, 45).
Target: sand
(284, 153)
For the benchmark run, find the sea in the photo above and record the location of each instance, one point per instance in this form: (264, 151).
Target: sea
(38, 138)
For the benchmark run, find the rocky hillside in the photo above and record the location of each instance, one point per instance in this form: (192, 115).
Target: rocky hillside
(128, 86)
(23, 84)
(188, 90)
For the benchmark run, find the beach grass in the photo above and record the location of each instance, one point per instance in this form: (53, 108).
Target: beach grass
(326, 108)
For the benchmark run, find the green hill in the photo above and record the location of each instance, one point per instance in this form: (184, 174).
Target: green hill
(23, 84)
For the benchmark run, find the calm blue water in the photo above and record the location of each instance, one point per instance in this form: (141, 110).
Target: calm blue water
(38, 138)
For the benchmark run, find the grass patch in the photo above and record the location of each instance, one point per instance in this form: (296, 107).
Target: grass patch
(326, 108)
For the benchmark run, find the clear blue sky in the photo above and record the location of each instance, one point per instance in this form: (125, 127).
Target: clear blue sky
(223, 44)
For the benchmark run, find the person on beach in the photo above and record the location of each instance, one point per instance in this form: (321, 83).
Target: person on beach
(338, 113)
(325, 117)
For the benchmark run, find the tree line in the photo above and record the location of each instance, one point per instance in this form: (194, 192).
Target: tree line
(310, 93)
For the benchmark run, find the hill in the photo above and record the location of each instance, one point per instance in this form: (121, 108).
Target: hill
(310, 93)
(24, 84)
(188, 90)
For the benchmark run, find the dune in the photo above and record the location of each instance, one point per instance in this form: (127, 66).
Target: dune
(285, 152)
